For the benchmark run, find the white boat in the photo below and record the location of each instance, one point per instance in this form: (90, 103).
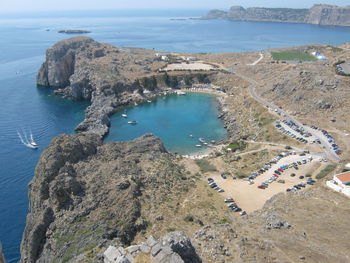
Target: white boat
(212, 141)
(201, 140)
(124, 115)
(181, 93)
(205, 143)
(132, 122)
(149, 101)
(198, 145)
(191, 136)
(29, 143)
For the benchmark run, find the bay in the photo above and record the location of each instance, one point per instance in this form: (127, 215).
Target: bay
(25, 37)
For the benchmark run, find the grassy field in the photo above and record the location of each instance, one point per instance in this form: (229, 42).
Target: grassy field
(292, 56)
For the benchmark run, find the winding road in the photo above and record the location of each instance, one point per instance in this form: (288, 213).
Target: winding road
(326, 147)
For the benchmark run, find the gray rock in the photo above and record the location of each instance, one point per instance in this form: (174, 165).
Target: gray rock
(156, 249)
(181, 245)
(151, 241)
(145, 248)
(111, 254)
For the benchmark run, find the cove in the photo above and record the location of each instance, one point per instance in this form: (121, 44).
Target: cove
(172, 118)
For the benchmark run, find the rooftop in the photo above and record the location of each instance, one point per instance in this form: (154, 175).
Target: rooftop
(344, 177)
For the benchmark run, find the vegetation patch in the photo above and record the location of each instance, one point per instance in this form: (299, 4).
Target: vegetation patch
(292, 56)
(205, 166)
(234, 146)
(326, 171)
(335, 49)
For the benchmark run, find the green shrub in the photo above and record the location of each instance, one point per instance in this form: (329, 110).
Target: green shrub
(329, 168)
(188, 218)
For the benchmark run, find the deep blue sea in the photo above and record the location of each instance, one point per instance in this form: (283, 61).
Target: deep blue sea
(24, 107)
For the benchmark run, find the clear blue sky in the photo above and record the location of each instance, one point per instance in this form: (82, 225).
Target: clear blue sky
(39, 5)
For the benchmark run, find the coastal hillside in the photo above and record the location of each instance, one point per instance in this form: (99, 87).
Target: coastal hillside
(318, 15)
(135, 202)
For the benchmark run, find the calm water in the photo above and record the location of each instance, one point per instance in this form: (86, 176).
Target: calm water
(23, 42)
(173, 119)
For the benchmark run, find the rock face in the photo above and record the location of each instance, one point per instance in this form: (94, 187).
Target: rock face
(318, 14)
(174, 247)
(85, 194)
(2, 257)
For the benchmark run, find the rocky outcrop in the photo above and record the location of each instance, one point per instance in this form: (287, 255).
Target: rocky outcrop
(2, 257)
(80, 68)
(318, 14)
(85, 194)
(175, 247)
(329, 15)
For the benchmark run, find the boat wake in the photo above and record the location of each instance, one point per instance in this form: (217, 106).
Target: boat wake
(30, 143)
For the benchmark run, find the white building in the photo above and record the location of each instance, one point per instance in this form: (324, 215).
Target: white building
(340, 183)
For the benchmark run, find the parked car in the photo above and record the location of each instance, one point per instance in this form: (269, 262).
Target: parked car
(228, 200)
(223, 176)
(261, 187)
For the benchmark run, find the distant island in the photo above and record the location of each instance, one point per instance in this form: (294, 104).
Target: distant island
(319, 14)
(74, 31)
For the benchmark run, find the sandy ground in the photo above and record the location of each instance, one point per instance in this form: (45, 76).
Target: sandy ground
(251, 198)
(189, 66)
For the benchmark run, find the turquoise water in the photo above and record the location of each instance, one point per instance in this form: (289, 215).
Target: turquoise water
(23, 42)
(172, 119)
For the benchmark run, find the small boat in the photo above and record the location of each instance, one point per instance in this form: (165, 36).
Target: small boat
(149, 101)
(205, 143)
(132, 122)
(213, 141)
(191, 136)
(124, 115)
(135, 104)
(198, 145)
(34, 144)
(201, 140)
(181, 93)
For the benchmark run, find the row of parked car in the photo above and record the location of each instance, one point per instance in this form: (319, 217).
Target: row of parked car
(233, 206)
(213, 185)
(330, 139)
(291, 134)
(280, 170)
(300, 185)
(269, 165)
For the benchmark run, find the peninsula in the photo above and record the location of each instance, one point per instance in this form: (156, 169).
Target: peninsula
(74, 31)
(319, 14)
(249, 199)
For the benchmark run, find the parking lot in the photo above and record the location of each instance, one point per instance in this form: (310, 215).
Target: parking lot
(296, 132)
(249, 197)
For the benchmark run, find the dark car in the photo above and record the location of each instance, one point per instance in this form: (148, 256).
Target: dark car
(292, 175)
(223, 176)
(301, 177)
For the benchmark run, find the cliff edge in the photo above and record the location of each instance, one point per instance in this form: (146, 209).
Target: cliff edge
(318, 14)
(85, 194)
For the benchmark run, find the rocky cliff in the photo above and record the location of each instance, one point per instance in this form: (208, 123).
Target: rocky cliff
(318, 14)
(85, 194)
(2, 257)
(109, 77)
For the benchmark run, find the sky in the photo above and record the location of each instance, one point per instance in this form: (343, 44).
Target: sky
(41, 5)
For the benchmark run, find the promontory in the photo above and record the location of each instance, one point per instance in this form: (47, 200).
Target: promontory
(319, 14)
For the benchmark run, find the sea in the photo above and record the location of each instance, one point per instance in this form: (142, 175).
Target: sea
(27, 109)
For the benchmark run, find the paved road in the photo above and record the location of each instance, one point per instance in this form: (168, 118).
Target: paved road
(329, 153)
